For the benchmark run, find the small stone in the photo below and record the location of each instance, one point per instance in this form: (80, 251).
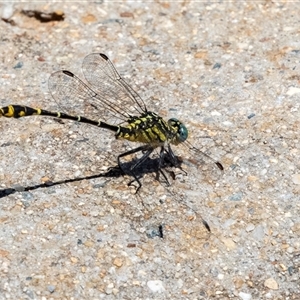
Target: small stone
(268, 295)
(89, 243)
(283, 267)
(155, 286)
(296, 178)
(252, 178)
(245, 296)
(250, 227)
(221, 276)
(217, 66)
(74, 260)
(115, 291)
(19, 65)
(45, 179)
(236, 197)
(126, 14)
(51, 288)
(118, 262)
(201, 54)
(7, 11)
(94, 213)
(292, 91)
(250, 283)
(271, 283)
(109, 289)
(238, 282)
(89, 18)
(251, 115)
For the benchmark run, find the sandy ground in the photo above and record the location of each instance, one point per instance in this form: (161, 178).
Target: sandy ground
(230, 72)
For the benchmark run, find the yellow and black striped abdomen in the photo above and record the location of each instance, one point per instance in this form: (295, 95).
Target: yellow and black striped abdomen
(149, 128)
(19, 111)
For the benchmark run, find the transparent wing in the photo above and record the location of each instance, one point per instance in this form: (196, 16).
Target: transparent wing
(110, 99)
(198, 157)
(101, 74)
(202, 157)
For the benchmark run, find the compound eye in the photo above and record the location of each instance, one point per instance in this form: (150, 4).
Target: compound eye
(183, 133)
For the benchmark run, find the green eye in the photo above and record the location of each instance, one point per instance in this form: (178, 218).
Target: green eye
(182, 132)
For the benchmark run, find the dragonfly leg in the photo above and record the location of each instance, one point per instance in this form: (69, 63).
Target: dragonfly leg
(173, 159)
(160, 163)
(148, 150)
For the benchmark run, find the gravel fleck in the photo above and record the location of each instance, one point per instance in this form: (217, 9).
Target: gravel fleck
(250, 227)
(245, 296)
(271, 283)
(51, 288)
(156, 286)
(296, 178)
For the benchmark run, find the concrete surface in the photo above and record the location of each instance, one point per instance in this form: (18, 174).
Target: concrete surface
(228, 70)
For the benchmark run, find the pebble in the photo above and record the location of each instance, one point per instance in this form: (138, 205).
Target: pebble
(251, 115)
(7, 11)
(153, 232)
(217, 66)
(268, 295)
(236, 197)
(250, 227)
(156, 286)
(271, 283)
(118, 262)
(238, 282)
(296, 178)
(292, 91)
(245, 296)
(51, 288)
(19, 65)
(283, 267)
(221, 276)
(109, 288)
(74, 260)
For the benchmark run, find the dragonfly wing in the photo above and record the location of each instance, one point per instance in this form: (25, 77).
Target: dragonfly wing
(199, 157)
(75, 97)
(103, 77)
(194, 157)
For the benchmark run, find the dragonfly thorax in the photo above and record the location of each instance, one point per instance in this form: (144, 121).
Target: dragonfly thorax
(152, 129)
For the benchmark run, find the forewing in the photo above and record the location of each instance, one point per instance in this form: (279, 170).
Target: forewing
(75, 97)
(104, 79)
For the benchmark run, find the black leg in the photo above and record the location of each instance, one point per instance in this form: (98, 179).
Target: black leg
(139, 162)
(160, 163)
(173, 159)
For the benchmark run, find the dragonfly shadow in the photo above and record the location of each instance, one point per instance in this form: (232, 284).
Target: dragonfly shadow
(112, 172)
(159, 166)
(149, 166)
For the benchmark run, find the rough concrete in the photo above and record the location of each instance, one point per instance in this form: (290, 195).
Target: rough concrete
(229, 71)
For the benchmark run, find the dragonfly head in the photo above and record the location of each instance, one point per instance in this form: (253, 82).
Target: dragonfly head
(181, 132)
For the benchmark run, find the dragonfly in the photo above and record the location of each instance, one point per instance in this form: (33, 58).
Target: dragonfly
(109, 102)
